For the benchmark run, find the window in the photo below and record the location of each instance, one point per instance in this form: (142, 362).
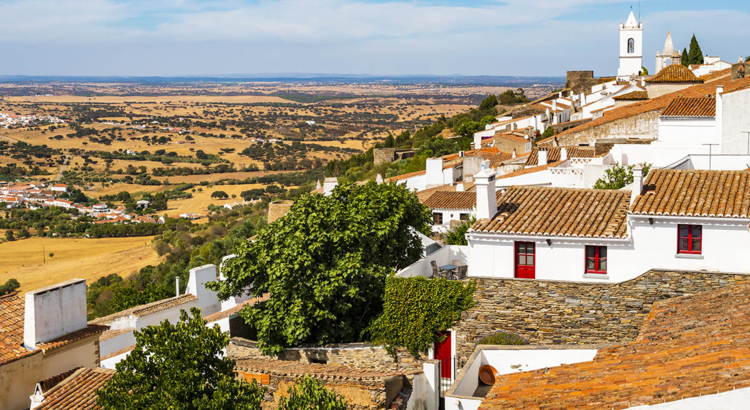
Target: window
(464, 217)
(690, 239)
(596, 259)
(631, 46)
(437, 218)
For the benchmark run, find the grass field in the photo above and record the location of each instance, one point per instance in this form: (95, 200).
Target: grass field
(200, 200)
(82, 258)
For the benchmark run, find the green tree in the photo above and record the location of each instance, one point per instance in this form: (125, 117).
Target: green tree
(159, 202)
(9, 236)
(179, 367)
(309, 393)
(486, 120)
(458, 235)
(10, 286)
(389, 141)
(219, 195)
(644, 71)
(695, 55)
(324, 264)
(685, 58)
(618, 177)
(489, 102)
(468, 128)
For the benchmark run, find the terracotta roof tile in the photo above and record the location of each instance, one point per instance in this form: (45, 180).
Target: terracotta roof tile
(659, 103)
(553, 154)
(78, 391)
(317, 370)
(559, 212)
(529, 170)
(691, 107)
(451, 200)
(229, 312)
(46, 384)
(690, 346)
(634, 96)
(722, 194)
(165, 304)
(88, 331)
(675, 73)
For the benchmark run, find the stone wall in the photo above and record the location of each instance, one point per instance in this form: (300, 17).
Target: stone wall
(645, 125)
(278, 209)
(580, 81)
(381, 155)
(357, 355)
(603, 146)
(740, 70)
(574, 313)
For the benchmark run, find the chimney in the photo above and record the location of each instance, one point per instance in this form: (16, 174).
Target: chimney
(583, 99)
(554, 105)
(177, 286)
(198, 279)
(637, 182)
(460, 187)
(434, 172)
(329, 184)
(317, 184)
(563, 154)
(513, 154)
(719, 118)
(542, 156)
(379, 179)
(54, 311)
(486, 197)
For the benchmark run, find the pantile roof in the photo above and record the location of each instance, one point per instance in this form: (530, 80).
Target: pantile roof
(658, 103)
(563, 212)
(691, 107)
(690, 346)
(675, 73)
(633, 96)
(53, 381)
(530, 170)
(147, 309)
(553, 154)
(229, 312)
(721, 194)
(316, 370)
(451, 200)
(78, 391)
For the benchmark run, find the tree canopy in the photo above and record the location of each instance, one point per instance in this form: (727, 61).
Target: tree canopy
(179, 367)
(695, 55)
(618, 177)
(309, 393)
(324, 264)
(685, 58)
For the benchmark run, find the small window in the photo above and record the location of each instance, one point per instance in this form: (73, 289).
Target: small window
(464, 217)
(437, 218)
(631, 46)
(596, 259)
(690, 239)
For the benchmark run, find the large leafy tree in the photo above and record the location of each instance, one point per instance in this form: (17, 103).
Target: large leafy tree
(324, 264)
(179, 367)
(618, 177)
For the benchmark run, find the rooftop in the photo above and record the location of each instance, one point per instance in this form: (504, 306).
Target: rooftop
(78, 391)
(563, 212)
(451, 200)
(691, 107)
(675, 73)
(633, 96)
(316, 370)
(148, 308)
(690, 346)
(553, 154)
(722, 194)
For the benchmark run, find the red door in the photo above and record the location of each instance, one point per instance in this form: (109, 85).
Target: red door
(525, 260)
(443, 353)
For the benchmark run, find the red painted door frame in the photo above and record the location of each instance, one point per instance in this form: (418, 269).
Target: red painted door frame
(525, 260)
(443, 353)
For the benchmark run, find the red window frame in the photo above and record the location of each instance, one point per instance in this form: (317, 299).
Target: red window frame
(690, 236)
(598, 256)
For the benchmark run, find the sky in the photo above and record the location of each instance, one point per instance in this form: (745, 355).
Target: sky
(434, 37)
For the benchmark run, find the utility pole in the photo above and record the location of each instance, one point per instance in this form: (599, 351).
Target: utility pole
(710, 152)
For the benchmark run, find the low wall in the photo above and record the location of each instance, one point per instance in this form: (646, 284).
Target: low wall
(645, 125)
(546, 312)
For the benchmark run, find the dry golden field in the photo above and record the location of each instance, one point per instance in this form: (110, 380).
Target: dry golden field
(82, 258)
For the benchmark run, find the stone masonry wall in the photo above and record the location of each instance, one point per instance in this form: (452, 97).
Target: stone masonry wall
(381, 155)
(644, 125)
(359, 355)
(574, 313)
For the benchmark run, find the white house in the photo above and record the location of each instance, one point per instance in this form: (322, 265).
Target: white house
(59, 188)
(450, 207)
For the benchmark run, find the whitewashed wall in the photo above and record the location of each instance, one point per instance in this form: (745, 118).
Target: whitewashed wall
(448, 216)
(685, 133)
(735, 120)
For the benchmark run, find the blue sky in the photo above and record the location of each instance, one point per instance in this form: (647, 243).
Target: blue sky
(473, 37)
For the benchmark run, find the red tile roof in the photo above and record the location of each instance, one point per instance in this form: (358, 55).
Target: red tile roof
(723, 194)
(675, 73)
(559, 212)
(553, 154)
(691, 107)
(78, 391)
(690, 346)
(451, 200)
(634, 96)
(229, 312)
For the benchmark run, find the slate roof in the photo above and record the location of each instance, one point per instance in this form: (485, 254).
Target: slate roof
(553, 154)
(451, 200)
(690, 346)
(721, 194)
(11, 331)
(634, 96)
(691, 107)
(564, 212)
(675, 73)
(78, 391)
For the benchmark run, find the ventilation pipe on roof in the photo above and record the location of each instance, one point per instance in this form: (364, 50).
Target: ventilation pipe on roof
(719, 117)
(177, 286)
(513, 154)
(542, 155)
(637, 183)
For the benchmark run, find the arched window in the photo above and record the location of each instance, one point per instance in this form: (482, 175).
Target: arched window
(631, 46)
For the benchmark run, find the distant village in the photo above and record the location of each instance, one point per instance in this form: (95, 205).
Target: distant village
(604, 228)
(8, 120)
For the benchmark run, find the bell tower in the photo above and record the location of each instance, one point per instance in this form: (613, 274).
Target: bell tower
(631, 47)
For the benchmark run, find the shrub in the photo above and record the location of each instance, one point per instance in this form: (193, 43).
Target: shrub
(503, 338)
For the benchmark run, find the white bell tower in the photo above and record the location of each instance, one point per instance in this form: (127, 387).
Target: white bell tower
(631, 47)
